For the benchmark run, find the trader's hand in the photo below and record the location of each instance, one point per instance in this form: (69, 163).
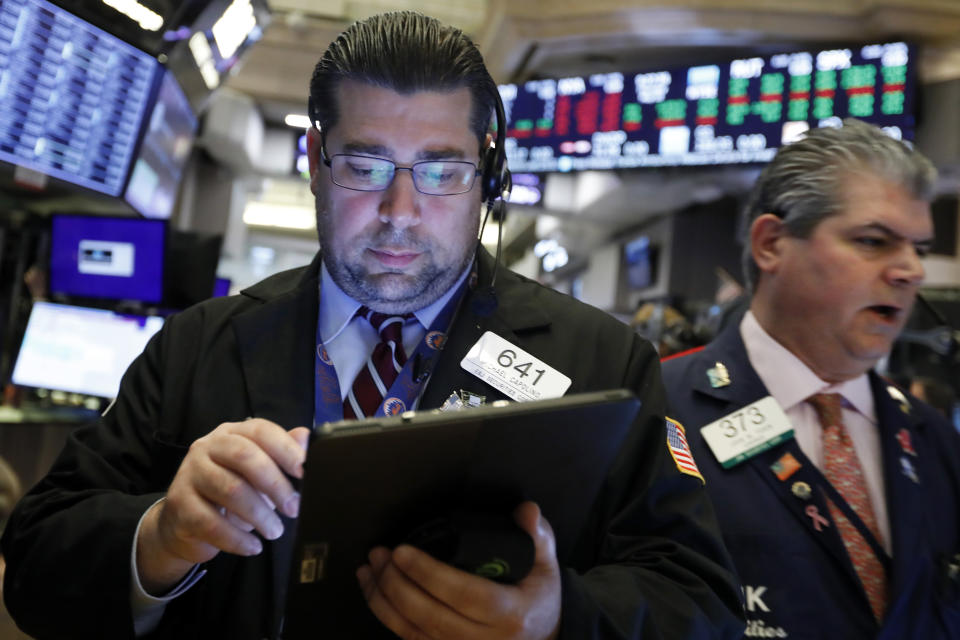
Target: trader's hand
(229, 484)
(420, 598)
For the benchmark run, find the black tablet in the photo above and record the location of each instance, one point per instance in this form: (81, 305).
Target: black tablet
(381, 480)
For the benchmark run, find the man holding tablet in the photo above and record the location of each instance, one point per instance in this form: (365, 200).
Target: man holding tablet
(172, 515)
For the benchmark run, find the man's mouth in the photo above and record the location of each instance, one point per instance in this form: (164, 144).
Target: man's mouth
(394, 258)
(889, 313)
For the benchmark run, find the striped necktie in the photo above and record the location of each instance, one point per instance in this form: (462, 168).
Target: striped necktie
(381, 368)
(842, 469)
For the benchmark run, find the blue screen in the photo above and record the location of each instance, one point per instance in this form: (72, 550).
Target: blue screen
(72, 97)
(104, 257)
(221, 287)
(639, 263)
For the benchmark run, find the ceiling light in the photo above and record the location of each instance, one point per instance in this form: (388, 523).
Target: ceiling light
(233, 27)
(284, 216)
(297, 120)
(203, 56)
(147, 19)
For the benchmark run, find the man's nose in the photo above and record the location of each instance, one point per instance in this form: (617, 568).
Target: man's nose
(907, 268)
(400, 204)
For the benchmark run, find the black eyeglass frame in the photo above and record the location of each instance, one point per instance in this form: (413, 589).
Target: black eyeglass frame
(328, 161)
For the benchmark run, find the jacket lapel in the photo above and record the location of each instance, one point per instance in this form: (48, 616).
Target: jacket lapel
(903, 459)
(276, 344)
(803, 495)
(281, 330)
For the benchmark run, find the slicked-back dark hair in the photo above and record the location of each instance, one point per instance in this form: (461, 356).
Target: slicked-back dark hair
(406, 52)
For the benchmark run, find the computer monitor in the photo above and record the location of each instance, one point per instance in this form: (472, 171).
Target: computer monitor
(72, 96)
(107, 257)
(164, 149)
(80, 350)
(639, 257)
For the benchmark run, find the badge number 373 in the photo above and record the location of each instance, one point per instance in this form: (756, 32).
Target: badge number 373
(747, 431)
(512, 370)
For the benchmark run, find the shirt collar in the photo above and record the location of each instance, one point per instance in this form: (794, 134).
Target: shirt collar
(337, 308)
(770, 359)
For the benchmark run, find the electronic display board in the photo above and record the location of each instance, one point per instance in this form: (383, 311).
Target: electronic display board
(72, 97)
(164, 149)
(736, 112)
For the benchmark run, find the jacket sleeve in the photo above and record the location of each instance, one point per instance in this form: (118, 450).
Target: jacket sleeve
(653, 564)
(68, 543)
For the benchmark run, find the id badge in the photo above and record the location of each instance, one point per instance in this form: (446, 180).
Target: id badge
(513, 371)
(747, 431)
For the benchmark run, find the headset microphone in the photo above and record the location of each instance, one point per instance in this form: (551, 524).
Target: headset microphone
(484, 301)
(496, 190)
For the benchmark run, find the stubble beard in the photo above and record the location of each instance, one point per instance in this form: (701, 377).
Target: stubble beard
(388, 291)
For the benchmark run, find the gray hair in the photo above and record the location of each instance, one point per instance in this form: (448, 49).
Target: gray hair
(802, 185)
(406, 52)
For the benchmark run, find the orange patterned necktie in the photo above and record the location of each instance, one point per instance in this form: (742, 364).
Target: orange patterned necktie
(842, 468)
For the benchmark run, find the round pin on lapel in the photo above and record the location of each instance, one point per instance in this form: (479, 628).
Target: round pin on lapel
(801, 490)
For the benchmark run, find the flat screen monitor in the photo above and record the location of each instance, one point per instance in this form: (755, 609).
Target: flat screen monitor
(107, 257)
(737, 111)
(639, 259)
(80, 350)
(164, 149)
(72, 97)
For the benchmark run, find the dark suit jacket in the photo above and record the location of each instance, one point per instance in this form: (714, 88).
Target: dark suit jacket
(651, 562)
(797, 578)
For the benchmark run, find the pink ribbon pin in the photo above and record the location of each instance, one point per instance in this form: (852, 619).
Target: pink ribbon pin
(818, 520)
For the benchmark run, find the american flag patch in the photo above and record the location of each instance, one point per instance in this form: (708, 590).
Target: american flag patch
(680, 450)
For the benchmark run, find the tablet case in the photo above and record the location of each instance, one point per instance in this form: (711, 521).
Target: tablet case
(373, 482)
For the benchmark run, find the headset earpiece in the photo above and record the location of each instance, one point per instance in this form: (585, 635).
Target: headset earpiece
(491, 174)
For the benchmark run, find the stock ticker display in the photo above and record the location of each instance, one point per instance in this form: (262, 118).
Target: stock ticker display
(72, 97)
(736, 112)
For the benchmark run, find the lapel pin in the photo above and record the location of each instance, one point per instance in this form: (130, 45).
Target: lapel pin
(718, 376)
(908, 469)
(471, 399)
(453, 403)
(785, 467)
(817, 520)
(897, 395)
(903, 437)
(801, 490)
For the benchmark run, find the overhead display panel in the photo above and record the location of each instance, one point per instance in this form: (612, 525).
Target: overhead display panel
(734, 112)
(167, 140)
(72, 97)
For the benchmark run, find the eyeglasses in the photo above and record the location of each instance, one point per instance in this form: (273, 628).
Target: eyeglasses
(431, 177)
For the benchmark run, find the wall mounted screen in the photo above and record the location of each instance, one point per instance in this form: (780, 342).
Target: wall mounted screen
(106, 257)
(739, 111)
(155, 179)
(80, 350)
(72, 97)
